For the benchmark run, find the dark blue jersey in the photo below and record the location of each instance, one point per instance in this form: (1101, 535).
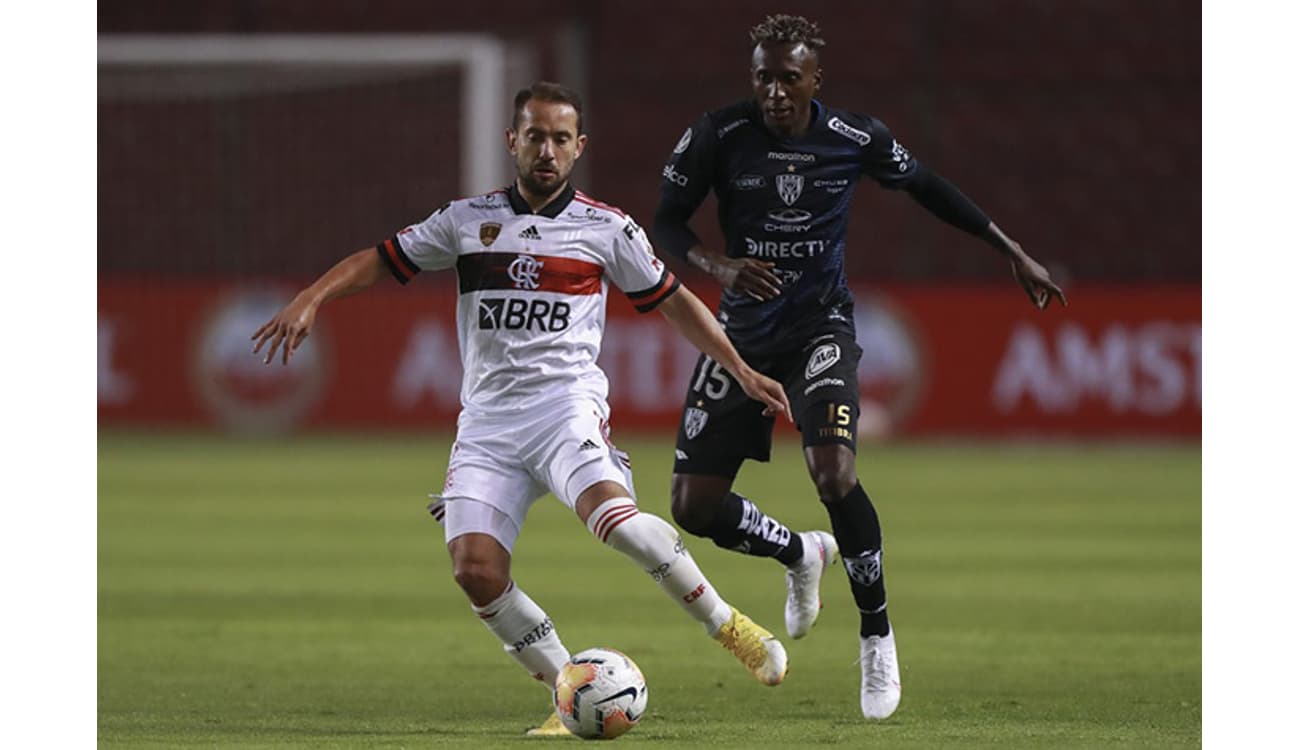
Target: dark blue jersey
(779, 200)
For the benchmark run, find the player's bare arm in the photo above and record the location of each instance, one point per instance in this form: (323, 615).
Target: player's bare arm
(1029, 273)
(747, 275)
(291, 326)
(696, 323)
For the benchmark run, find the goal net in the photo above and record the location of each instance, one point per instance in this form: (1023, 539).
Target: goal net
(238, 155)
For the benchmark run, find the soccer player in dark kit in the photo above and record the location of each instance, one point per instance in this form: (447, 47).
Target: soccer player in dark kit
(784, 166)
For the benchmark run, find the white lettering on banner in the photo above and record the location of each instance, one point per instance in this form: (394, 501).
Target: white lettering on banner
(429, 367)
(114, 387)
(634, 355)
(1152, 369)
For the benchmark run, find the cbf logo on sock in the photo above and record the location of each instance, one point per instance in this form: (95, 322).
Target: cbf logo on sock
(864, 568)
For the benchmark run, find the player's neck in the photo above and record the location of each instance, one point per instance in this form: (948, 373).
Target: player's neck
(797, 131)
(538, 202)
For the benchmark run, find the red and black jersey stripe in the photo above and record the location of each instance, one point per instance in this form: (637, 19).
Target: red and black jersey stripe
(547, 273)
(582, 197)
(402, 267)
(649, 299)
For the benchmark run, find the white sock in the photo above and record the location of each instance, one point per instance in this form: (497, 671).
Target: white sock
(658, 548)
(526, 632)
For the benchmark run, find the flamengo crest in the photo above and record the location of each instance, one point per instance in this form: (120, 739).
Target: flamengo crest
(789, 187)
(524, 271)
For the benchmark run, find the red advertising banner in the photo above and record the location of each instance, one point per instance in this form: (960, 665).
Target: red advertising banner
(1119, 361)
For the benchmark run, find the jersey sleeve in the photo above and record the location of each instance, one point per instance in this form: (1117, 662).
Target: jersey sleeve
(635, 269)
(884, 159)
(686, 179)
(427, 246)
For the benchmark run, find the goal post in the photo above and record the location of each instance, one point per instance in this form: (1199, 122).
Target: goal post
(481, 59)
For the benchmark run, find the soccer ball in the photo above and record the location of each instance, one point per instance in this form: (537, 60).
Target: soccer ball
(600, 694)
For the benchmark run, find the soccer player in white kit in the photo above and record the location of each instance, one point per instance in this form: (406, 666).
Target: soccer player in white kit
(534, 262)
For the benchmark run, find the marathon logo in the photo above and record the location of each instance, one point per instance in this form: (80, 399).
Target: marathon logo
(859, 137)
(822, 384)
(790, 156)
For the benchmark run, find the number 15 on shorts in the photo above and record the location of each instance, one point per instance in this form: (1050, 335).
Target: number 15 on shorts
(838, 419)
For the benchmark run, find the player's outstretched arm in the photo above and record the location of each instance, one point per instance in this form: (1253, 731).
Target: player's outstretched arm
(290, 327)
(1027, 272)
(692, 319)
(945, 201)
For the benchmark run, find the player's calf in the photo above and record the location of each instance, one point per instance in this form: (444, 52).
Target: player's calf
(706, 507)
(654, 545)
(526, 633)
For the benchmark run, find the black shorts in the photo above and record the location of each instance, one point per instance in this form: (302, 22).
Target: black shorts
(721, 426)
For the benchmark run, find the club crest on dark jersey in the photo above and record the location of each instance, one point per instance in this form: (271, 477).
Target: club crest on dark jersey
(789, 187)
(488, 232)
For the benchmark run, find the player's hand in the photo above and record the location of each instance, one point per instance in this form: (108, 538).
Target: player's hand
(287, 330)
(747, 276)
(1035, 280)
(762, 388)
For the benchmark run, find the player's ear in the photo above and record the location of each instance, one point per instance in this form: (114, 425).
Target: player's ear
(817, 80)
(582, 143)
(512, 140)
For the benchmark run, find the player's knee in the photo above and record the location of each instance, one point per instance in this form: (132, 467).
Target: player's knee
(833, 482)
(690, 511)
(480, 580)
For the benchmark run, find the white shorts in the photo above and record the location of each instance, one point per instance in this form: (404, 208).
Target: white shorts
(501, 464)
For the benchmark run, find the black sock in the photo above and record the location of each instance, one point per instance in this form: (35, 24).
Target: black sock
(740, 526)
(857, 530)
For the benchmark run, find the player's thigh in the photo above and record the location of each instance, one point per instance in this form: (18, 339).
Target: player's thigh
(721, 426)
(487, 490)
(822, 383)
(572, 450)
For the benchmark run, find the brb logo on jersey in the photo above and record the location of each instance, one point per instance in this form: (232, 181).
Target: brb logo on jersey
(524, 271)
(496, 313)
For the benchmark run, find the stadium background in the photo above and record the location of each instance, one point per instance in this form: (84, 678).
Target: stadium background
(1075, 125)
(267, 575)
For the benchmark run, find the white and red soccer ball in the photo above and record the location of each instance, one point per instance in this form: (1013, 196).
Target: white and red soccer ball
(600, 694)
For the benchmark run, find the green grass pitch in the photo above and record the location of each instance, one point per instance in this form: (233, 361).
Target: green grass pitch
(293, 593)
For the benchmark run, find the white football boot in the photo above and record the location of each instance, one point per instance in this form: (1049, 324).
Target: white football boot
(881, 686)
(803, 599)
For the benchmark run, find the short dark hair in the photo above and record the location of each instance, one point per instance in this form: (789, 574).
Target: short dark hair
(547, 92)
(787, 29)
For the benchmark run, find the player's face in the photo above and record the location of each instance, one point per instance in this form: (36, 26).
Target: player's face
(545, 145)
(785, 77)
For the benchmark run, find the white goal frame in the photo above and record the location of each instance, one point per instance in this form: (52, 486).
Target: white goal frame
(482, 59)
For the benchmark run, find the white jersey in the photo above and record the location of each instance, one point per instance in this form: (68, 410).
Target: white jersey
(531, 310)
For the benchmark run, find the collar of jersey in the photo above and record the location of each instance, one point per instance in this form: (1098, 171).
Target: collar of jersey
(550, 210)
